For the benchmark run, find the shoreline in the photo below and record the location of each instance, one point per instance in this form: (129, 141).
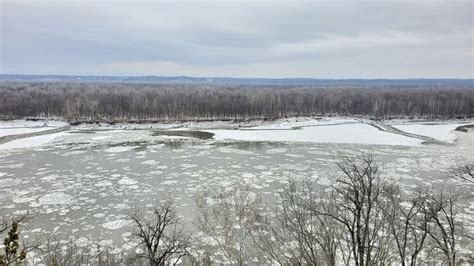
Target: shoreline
(235, 123)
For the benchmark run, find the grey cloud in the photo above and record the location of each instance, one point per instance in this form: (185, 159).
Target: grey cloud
(315, 38)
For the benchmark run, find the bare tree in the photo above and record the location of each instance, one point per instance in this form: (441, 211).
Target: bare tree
(296, 232)
(359, 193)
(227, 218)
(408, 223)
(446, 229)
(360, 220)
(6, 223)
(160, 234)
(331, 234)
(57, 251)
(465, 171)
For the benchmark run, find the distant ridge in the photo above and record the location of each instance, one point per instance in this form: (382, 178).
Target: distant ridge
(240, 81)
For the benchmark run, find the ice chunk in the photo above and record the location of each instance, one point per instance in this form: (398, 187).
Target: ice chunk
(56, 198)
(117, 224)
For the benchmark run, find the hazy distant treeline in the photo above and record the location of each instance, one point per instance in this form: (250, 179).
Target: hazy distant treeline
(141, 102)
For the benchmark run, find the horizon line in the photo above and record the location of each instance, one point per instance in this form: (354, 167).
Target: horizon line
(236, 77)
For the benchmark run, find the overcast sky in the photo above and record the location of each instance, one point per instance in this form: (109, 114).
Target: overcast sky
(318, 39)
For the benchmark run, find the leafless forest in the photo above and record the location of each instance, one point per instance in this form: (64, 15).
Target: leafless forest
(134, 102)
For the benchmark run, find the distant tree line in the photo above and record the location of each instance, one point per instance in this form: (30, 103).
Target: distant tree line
(109, 102)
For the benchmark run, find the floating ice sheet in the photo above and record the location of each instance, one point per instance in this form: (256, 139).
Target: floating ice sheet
(56, 198)
(31, 141)
(441, 132)
(358, 133)
(117, 224)
(120, 149)
(21, 130)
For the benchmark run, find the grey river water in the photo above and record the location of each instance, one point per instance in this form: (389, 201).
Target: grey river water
(86, 183)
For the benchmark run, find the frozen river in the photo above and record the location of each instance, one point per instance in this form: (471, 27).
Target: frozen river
(85, 182)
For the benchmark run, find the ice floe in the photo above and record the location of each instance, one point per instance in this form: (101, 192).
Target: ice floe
(21, 130)
(169, 182)
(9, 182)
(150, 162)
(100, 137)
(236, 151)
(56, 198)
(276, 150)
(103, 183)
(127, 181)
(117, 224)
(31, 141)
(290, 123)
(187, 165)
(441, 132)
(120, 149)
(354, 133)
